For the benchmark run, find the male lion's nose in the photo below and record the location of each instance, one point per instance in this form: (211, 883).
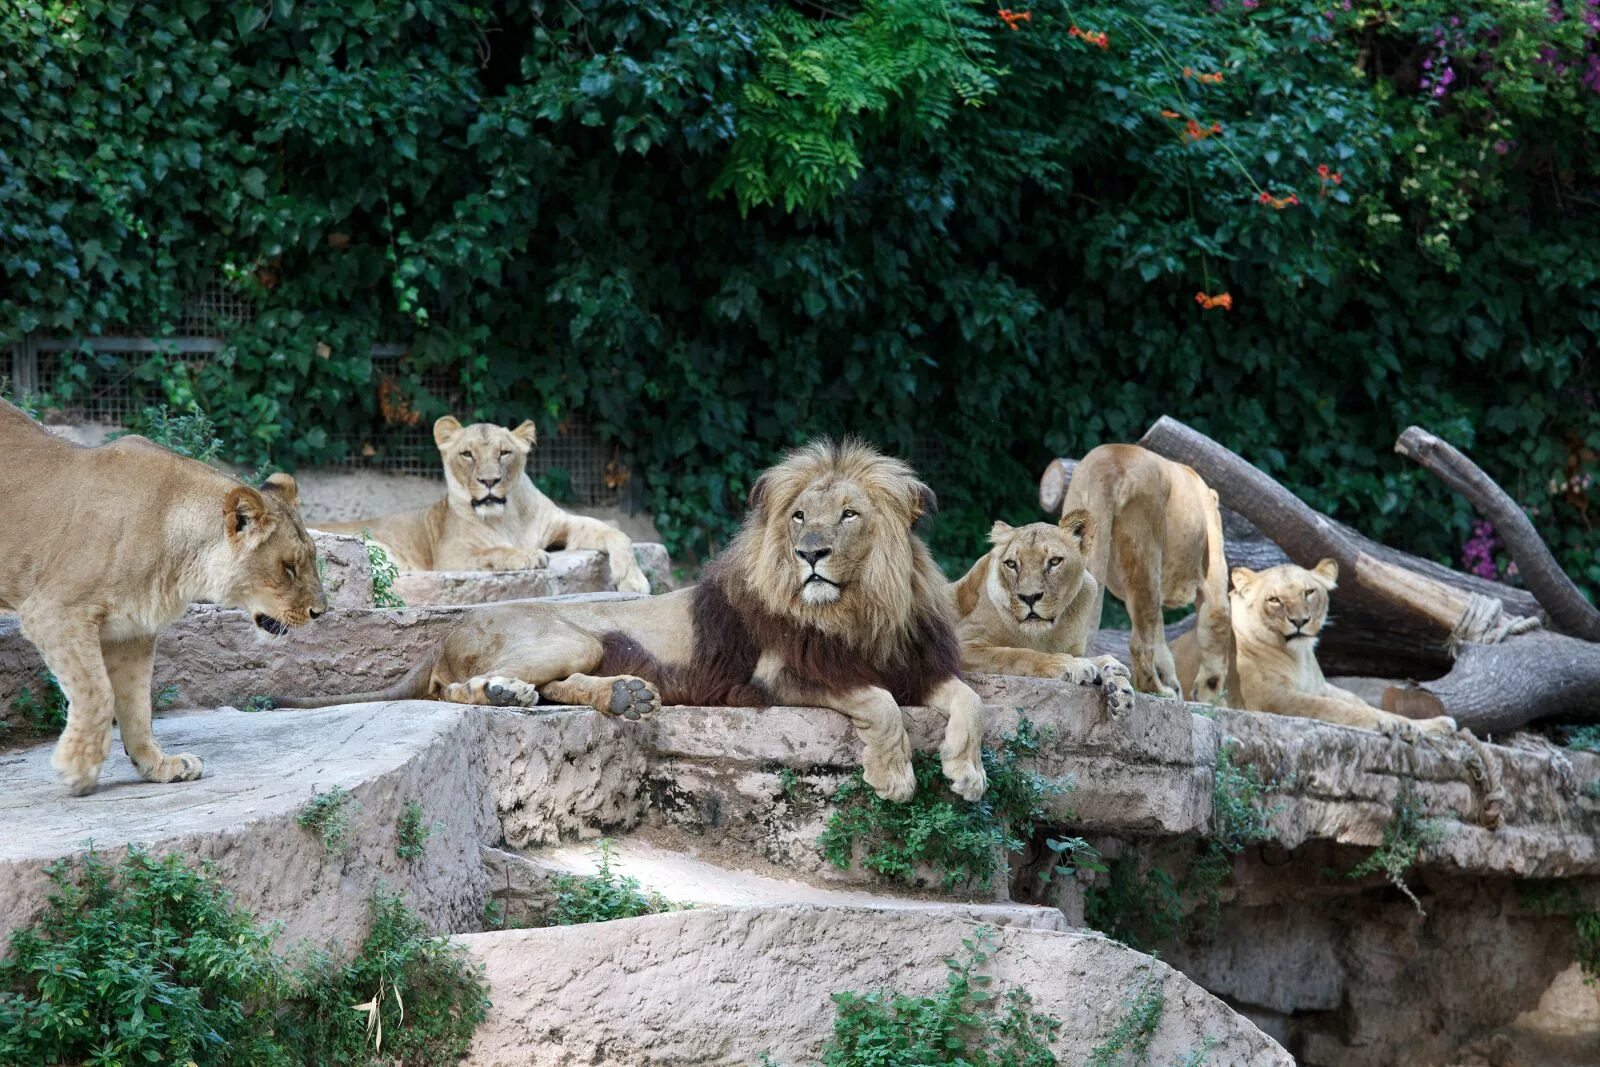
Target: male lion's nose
(813, 557)
(1030, 599)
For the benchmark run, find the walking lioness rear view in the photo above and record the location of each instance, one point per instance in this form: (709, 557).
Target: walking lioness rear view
(102, 547)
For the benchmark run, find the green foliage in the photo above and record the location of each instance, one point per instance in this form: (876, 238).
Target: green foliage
(405, 997)
(1139, 903)
(165, 697)
(149, 961)
(328, 816)
(1545, 898)
(962, 841)
(191, 434)
(384, 573)
(369, 172)
(1128, 1043)
(602, 896)
(1581, 738)
(1406, 835)
(411, 833)
(259, 702)
(46, 711)
(964, 1024)
(27, 403)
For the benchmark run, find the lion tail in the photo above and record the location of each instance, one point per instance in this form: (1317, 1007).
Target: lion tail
(412, 686)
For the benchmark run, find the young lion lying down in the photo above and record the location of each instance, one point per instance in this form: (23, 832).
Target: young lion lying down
(1278, 614)
(826, 597)
(1028, 608)
(102, 547)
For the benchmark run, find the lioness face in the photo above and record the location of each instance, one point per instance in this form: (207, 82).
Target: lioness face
(1285, 603)
(483, 461)
(1038, 569)
(274, 563)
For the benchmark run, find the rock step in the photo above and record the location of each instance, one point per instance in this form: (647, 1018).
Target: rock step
(724, 985)
(686, 879)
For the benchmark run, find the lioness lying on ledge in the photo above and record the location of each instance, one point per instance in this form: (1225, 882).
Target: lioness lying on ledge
(1026, 608)
(1278, 614)
(826, 597)
(492, 517)
(102, 547)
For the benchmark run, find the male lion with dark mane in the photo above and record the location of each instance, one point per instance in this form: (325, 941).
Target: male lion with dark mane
(491, 517)
(102, 547)
(826, 597)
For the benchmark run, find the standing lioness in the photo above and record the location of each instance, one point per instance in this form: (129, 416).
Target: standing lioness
(102, 547)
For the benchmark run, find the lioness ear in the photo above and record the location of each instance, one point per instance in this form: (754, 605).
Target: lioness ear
(244, 511)
(1079, 525)
(445, 430)
(527, 433)
(1243, 578)
(1327, 572)
(998, 531)
(283, 487)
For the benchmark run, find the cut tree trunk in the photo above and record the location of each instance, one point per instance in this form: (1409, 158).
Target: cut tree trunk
(1497, 688)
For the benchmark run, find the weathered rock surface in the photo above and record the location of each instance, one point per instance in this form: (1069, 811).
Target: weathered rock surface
(569, 572)
(759, 980)
(346, 570)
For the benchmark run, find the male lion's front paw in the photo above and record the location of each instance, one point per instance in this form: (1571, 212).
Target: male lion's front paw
(1118, 685)
(633, 698)
(510, 693)
(966, 778)
(184, 767)
(893, 782)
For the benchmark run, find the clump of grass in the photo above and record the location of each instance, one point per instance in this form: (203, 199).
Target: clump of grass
(384, 574)
(190, 433)
(963, 1024)
(962, 841)
(328, 816)
(45, 711)
(1128, 1043)
(602, 896)
(411, 833)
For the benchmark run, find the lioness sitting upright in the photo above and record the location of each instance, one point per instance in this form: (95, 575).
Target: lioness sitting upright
(1025, 608)
(826, 597)
(1278, 614)
(492, 517)
(1160, 545)
(102, 547)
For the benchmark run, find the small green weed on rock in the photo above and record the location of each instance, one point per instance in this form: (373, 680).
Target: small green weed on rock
(602, 896)
(384, 573)
(1404, 838)
(411, 832)
(1128, 1043)
(328, 816)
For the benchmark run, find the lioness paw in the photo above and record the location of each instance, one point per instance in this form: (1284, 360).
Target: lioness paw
(1118, 685)
(1439, 724)
(633, 582)
(633, 698)
(79, 761)
(1080, 672)
(184, 767)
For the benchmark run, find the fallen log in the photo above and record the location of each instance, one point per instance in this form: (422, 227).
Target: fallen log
(1566, 607)
(1497, 688)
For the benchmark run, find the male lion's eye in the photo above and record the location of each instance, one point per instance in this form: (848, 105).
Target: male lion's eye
(846, 514)
(799, 516)
(1011, 564)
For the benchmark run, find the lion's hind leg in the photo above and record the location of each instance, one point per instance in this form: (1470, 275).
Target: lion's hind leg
(621, 695)
(496, 690)
(548, 662)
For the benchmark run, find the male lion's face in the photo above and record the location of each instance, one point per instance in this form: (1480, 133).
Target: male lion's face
(274, 563)
(1038, 569)
(483, 461)
(829, 536)
(1284, 603)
